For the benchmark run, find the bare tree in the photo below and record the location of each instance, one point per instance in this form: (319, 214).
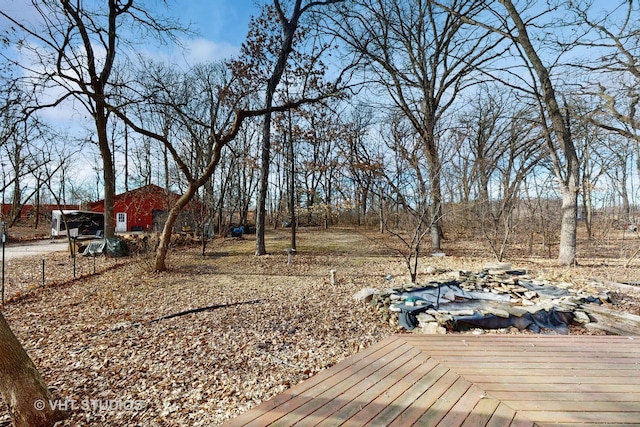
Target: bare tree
(419, 59)
(554, 119)
(601, 153)
(194, 116)
(564, 156)
(611, 83)
(23, 139)
(75, 51)
(284, 47)
(363, 162)
(504, 146)
(404, 199)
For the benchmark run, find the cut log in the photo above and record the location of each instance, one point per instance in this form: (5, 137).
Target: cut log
(612, 321)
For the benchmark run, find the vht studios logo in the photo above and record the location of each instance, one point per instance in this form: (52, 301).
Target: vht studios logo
(93, 405)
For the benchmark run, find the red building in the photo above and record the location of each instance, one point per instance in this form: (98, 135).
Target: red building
(29, 211)
(144, 209)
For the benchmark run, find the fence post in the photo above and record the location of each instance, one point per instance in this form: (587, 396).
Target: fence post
(4, 241)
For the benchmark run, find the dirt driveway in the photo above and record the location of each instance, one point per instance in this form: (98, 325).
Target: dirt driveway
(39, 247)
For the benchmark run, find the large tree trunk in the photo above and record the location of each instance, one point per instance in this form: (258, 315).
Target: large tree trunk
(567, 250)
(292, 187)
(435, 208)
(289, 28)
(108, 174)
(265, 158)
(436, 224)
(568, 174)
(165, 238)
(21, 385)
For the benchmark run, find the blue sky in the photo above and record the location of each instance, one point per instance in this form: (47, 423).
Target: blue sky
(222, 24)
(220, 20)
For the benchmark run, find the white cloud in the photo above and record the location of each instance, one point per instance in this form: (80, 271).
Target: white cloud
(204, 50)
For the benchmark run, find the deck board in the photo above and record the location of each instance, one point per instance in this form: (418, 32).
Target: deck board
(482, 412)
(367, 412)
(452, 380)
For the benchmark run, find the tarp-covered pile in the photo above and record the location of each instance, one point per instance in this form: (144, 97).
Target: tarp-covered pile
(489, 299)
(114, 247)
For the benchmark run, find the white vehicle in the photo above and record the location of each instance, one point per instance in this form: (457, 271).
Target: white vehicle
(79, 223)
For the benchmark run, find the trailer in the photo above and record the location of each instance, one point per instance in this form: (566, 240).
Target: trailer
(78, 223)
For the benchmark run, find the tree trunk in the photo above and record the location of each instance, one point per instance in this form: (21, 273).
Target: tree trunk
(381, 207)
(569, 174)
(108, 173)
(289, 28)
(436, 215)
(435, 208)
(38, 190)
(165, 238)
(16, 206)
(568, 229)
(586, 207)
(265, 158)
(292, 195)
(21, 385)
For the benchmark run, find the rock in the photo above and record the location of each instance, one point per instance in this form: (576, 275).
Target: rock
(497, 266)
(496, 312)
(425, 318)
(547, 305)
(461, 312)
(517, 311)
(533, 308)
(571, 300)
(432, 328)
(365, 294)
(443, 318)
(449, 295)
(580, 317)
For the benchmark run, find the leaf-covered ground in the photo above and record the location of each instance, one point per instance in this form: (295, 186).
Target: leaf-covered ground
(96, 340)
(273, 325)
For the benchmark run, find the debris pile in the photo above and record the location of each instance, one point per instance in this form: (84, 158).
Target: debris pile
(496, 297)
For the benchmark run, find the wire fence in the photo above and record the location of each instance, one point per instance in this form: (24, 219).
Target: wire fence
(24, 275)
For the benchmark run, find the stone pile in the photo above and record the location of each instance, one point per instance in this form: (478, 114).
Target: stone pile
(493, 298)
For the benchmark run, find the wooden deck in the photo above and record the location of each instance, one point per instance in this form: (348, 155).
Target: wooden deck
(466, 380)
